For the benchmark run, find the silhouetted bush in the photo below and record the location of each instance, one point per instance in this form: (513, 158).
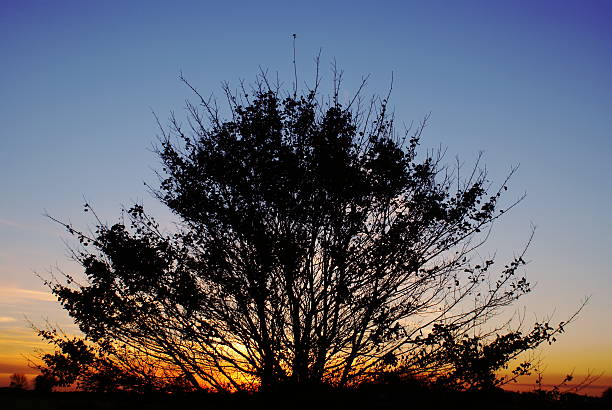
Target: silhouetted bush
(44, 383)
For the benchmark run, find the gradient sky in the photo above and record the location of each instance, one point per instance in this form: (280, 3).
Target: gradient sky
(526, 82)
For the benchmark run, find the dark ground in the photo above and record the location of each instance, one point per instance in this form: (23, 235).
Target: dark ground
(372, 397)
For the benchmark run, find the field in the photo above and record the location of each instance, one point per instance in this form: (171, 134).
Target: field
(374, 397)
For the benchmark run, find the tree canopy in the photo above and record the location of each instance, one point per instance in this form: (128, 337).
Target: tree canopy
(312, 245)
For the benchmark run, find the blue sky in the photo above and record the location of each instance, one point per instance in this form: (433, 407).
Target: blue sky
(527, 82)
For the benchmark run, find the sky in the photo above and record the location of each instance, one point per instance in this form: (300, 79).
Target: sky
(526, 82)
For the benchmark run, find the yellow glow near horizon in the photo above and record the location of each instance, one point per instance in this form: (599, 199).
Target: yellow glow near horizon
(18, 343)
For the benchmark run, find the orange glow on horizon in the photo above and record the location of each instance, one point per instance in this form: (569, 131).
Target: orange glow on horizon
(550, 380)
(18, 343)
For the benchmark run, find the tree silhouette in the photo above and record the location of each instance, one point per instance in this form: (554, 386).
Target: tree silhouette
(313, 245)
(18, 381)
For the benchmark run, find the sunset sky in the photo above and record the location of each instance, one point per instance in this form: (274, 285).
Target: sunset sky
(526, 82)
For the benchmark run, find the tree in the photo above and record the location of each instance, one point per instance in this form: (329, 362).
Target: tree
(313, 245)
(18, 381)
